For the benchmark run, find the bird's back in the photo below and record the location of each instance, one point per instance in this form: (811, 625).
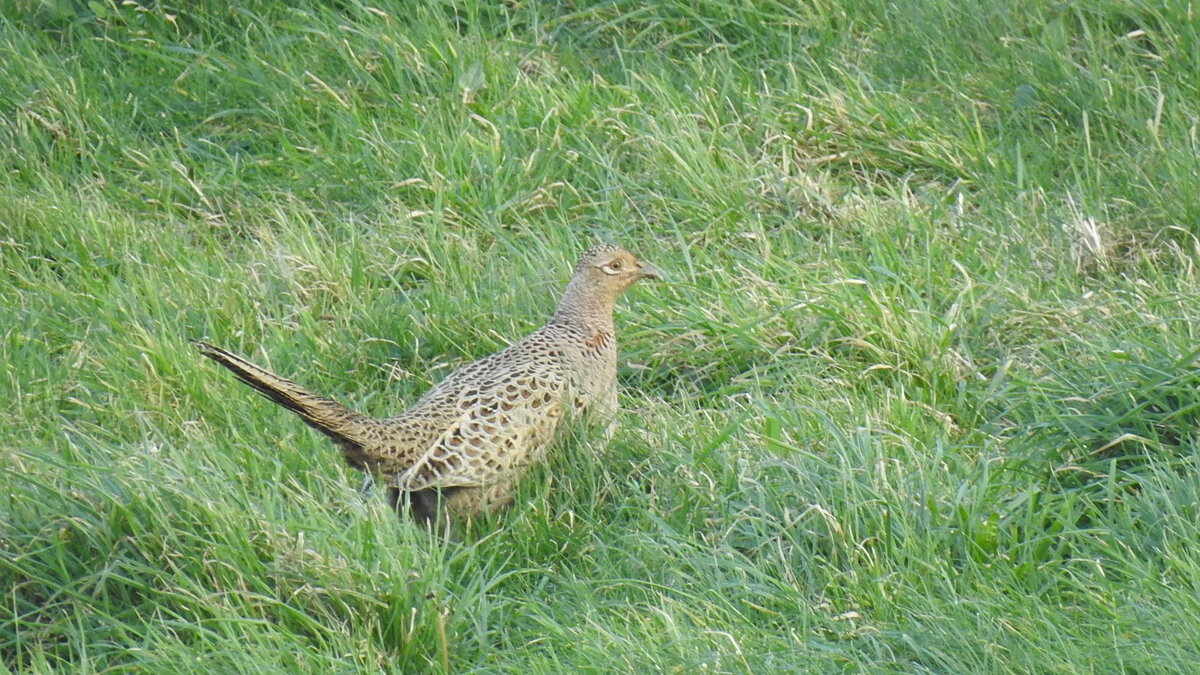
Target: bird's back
(491, 418)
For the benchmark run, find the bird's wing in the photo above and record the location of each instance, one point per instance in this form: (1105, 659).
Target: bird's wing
(503, 425)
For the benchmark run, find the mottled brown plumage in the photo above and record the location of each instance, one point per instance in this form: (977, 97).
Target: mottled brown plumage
(460, 449)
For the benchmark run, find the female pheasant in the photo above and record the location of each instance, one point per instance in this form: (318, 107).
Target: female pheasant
(461, 448)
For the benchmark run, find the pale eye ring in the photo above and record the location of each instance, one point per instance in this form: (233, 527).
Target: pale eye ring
(614, 265)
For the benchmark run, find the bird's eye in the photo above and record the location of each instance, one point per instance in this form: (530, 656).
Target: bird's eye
(614, 265)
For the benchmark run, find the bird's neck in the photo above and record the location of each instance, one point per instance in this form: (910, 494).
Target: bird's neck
(589, 310)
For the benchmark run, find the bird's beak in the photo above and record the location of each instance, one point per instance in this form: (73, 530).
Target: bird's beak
(647, 271)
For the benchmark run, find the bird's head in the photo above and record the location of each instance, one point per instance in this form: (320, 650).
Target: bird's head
(607, 270)
(601, 276)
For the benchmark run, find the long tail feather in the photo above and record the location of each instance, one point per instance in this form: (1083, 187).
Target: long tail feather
(344, 426)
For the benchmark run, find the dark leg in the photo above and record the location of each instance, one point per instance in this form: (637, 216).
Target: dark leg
(397, 500)
(427, 507)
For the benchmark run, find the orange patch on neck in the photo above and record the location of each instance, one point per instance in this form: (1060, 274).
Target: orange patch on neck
(598, 341)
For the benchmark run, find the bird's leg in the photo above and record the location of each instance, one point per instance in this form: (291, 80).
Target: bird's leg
(427, 507)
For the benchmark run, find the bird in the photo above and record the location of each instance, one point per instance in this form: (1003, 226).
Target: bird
(459, 451)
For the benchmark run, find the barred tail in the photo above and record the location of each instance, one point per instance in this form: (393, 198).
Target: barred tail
(344, 426)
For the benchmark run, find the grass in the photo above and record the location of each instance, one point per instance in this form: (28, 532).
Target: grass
(918, 396)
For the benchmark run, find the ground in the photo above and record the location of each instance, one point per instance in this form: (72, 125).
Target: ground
(917, 393)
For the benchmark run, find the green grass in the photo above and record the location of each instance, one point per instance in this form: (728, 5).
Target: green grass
(918, 395)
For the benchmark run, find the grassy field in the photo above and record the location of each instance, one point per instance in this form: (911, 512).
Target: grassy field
(918, 395)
